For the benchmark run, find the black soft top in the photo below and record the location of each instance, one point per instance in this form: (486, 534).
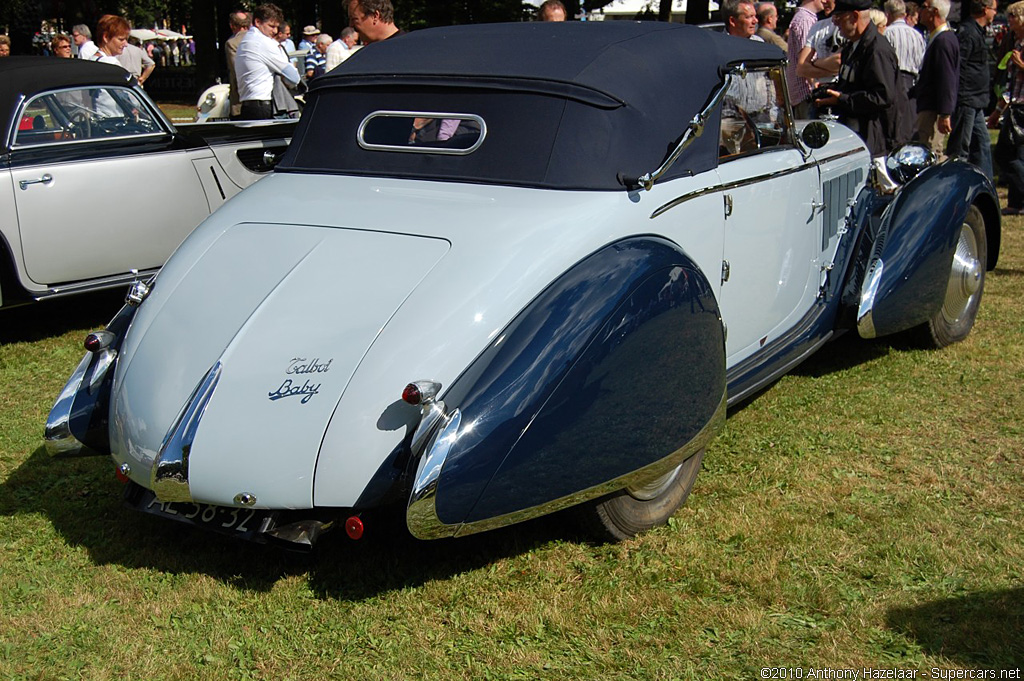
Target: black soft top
(569, 105)
(27, 76)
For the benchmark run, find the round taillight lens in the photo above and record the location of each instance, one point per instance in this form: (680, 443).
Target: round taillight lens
(412, 394)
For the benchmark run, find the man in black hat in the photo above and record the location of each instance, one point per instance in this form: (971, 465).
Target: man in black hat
(866, 96)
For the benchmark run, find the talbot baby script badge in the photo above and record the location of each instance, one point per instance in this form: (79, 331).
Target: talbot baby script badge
(298, 384)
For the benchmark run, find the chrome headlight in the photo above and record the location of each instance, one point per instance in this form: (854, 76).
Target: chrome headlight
(908, 162)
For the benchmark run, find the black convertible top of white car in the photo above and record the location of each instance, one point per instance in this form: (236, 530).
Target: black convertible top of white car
(22, 77)
(557, 105)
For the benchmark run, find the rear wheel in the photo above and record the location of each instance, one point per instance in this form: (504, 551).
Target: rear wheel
(955, 318)
(628, 512)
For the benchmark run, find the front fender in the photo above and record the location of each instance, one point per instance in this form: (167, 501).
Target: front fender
(617, 366)
(908, 269)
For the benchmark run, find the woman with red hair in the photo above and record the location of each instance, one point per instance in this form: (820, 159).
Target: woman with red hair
(111, 36)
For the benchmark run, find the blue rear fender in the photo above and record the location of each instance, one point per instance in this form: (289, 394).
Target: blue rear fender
(615, 366)
(909, 266)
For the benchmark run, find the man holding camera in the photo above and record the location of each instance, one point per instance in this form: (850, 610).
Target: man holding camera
(866, 97)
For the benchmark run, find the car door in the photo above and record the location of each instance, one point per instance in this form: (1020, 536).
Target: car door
(101, 185)
(771, 203)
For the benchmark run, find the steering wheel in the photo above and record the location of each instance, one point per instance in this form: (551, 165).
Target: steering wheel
(752, 126)
(81, 122)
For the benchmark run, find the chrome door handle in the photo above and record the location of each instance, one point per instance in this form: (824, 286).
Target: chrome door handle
(817, 207)
(46, 179)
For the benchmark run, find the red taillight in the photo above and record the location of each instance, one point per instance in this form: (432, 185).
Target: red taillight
(354, 527)
(420, 392)
(98, 340)
(412, 394)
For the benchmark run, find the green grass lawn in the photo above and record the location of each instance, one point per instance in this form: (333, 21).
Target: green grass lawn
(863, 512)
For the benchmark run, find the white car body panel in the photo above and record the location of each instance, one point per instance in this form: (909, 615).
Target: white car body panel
(89, 239)
(447, 307)
(770, 245)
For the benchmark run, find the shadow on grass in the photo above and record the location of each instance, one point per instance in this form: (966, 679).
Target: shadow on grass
(82, 500)
(845, 352)
(50, 318)
(984, 629)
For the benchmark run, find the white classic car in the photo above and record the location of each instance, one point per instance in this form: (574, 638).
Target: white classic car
(527, 272)
(97, 185)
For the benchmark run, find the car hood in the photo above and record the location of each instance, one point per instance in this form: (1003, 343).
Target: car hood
(289, 311)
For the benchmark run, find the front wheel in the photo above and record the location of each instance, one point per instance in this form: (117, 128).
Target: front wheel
(633, 510)
(955, 319)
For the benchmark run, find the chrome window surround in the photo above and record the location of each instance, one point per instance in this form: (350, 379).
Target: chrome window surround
(169, 475)
(155, 113)
(421, 514)
(790, 119)
(370, 146)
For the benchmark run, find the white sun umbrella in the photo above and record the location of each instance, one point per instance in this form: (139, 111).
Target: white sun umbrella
(144, 34)
(167, 34)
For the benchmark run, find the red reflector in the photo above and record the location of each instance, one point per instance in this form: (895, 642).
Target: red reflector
(354, 527)
(121, 477)
(93, 343)
(412, 394)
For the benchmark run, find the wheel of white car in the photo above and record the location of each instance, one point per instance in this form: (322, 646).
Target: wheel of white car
(628, 512)
(955, 318)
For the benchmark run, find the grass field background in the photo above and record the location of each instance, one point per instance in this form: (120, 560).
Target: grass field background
(863, 512)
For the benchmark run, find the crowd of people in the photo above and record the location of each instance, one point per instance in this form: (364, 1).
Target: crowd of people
(903, 74)
(892, 76)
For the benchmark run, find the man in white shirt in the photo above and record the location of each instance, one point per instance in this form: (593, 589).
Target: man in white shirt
(83, 40)
(259, 60)
(135, 61)
(342, 48)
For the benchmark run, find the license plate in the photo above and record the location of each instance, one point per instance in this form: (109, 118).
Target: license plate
(245, 523)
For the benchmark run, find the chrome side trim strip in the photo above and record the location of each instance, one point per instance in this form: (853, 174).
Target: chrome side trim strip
(865, 311)
(169, 476)
(749, 180)
(421, 515)
(93, 285)
(726, 186)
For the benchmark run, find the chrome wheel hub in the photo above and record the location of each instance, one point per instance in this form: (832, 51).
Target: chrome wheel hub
(653, 488)
(964, 276)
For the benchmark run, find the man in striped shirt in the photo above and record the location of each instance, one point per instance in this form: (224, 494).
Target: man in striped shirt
(316, 58)
(800, 88)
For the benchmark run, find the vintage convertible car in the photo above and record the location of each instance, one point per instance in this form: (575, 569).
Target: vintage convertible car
(97, 184)
(527, 272)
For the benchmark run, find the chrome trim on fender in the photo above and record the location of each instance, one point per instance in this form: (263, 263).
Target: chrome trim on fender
(421, 516)
(873, 279)
(169, 476)
(57, 436)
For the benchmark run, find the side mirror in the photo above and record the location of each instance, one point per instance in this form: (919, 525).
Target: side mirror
(815, 134)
